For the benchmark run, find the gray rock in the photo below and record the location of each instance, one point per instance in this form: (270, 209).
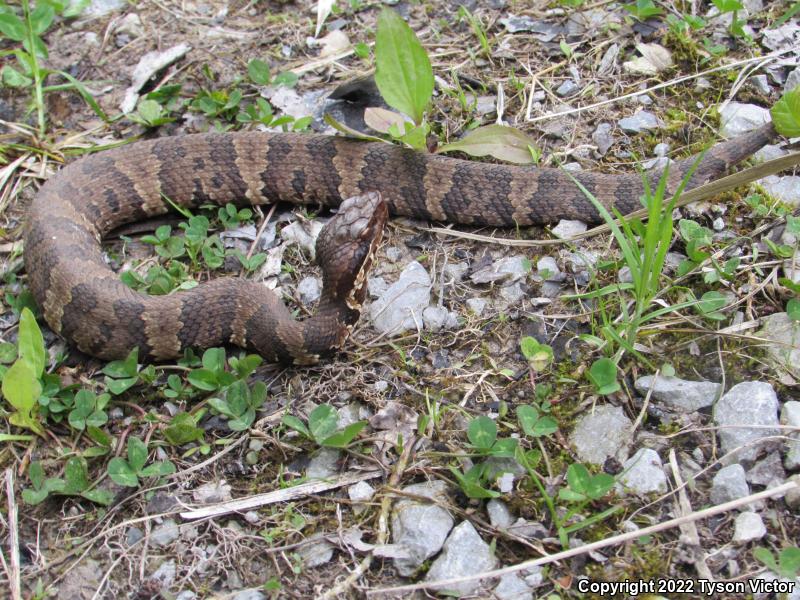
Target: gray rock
(784, 352)
(661, 149)
(602, 137)
(186, 595)
(718, 224)
(568, 88)
(767, 472)
(419, 527)
(437, 318)
(512, 294)
(376, 286)
(547, 269)
(737, 118)
(790, 415)
(784, 188)
(324, 464)
(792, 81)
(249, 594)
(359, 494)
(100, 8)
(639, 122)
(212, 492)
(82, 582)
(792, 497)
(769, 152)
(643, 473)
(400, 307)
(603, 433)
(531, 530)
(760, 84)
(673, 260)
(165, 533)
(748, 527)
(624, 275)
(534, 576)
(513, 587)
(499, 514)
(304, 234)
(309, 289)
(164, 576)
(679, 394)
(464, 553)
(744, 405)
(130, 25)
(510, 268)
(455, 271)
(393, 254)
(567, 228)
(476, 305)
(317, 552)
(133, 535)
(730, 483)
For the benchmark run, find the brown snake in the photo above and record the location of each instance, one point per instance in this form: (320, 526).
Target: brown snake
(85, 301)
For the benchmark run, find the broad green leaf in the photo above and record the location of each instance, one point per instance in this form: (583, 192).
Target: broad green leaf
(121, 473)
(534, 424)
(539, 356)
(137, 453)
(482, 432)
(766, 557)
(214, 359)
(103, 497)
(158, 469)
(603, 374)
(786, 114)
(403, 71)
(258, 71)
(322, 422)
(8, 353)
(382, 119)
(470, 483)
(21, 387)
(119, 386)
(42, 17)
(123, 368)
(13, 78)
(203, 379)
(31, 342)
(36, 474)
(294, 423)
(342, 439)
(501, 142)
(12, 27)
(504, 448)
(182, 430)
(76, 476)
(789, 562)
(34, 497)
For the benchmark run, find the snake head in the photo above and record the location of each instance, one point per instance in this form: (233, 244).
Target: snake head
(346, 247)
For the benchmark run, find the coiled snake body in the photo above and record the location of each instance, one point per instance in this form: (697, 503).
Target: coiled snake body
(85, 301)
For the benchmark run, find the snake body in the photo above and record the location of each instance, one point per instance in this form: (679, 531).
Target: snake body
(84, 300)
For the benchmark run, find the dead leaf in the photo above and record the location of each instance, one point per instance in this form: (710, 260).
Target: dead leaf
(654, 59)
(334, 43)
(499, 141)
(324, 8)
(382, 119)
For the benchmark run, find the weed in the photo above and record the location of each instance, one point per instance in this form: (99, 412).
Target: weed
(128, 471)
(323, 427)
(74, 483)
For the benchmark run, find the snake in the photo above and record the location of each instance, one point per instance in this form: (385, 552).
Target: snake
(84, 300)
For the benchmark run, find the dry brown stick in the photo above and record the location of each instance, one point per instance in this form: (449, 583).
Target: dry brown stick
(618, 539)
(14, 578)
(689, 530)
(699, 193)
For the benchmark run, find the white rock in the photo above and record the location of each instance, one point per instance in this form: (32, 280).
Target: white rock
(730, 483)
(748, 527)
(785, 188)
(744, 415)
(737, 118)
(476, 305)
(602, 433)
(679, 394)
(420, 527)
(499, 514)
(400, 307)
(309, 289)
(513, 587)
(784, 351)
(643, 473)
(568, 228)
(464, 553)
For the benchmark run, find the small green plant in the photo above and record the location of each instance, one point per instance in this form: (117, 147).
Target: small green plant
(183, 429)
(249, 263)
(232, 217)
(323, 427)
(534, 422)
(582, 489)
(213, 375)
(478, 29)
(121, 375)
(26, 26)
(88, 410)
(603, 375)
(239, 403)
(128, 471)
(643, 9)
(22, 384)
(786, 113)
(75, 483)
(733, 7)
(150, 113)
(787, 564)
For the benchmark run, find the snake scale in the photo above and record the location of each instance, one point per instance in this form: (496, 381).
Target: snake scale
(84, 300)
